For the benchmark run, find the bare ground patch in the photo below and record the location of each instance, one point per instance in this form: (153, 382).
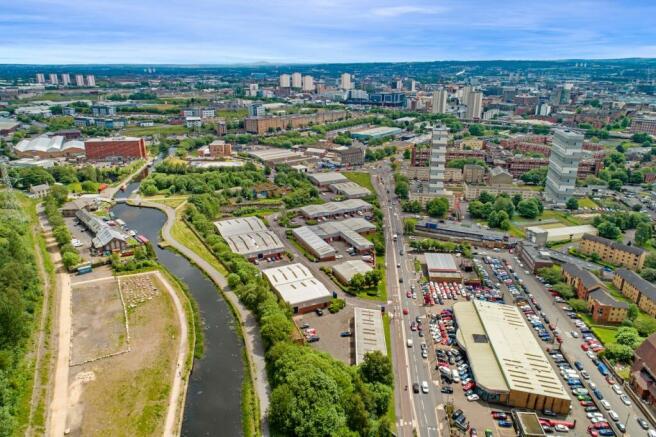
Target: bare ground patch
(127, 394)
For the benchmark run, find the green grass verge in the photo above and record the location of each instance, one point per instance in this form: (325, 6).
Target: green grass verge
(586, 202)
(360, 178)
(391, 410)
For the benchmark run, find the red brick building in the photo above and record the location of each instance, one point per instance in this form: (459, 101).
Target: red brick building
(127, 148)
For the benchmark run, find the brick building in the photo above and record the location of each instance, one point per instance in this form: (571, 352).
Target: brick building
(420, 156)
(263, 125)
(639, 290)
(646, 125)
(605, 309)
(220, 148)
(613, 252)
(643, 371)
(126, 148)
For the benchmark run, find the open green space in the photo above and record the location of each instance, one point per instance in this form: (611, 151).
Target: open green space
(360, 178)
(586, 202)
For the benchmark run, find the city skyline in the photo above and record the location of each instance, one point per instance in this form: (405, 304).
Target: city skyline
(54, 31)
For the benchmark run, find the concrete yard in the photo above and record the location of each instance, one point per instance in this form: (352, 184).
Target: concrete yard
(328, 327)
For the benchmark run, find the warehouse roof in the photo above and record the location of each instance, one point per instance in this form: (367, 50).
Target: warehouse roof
(250, 243)
(350, 189)
(440, 262)
(330, 177)
(518, 354)
(296, 285)
(564, 231)
(348, 269)
(273, 154)
(335, 208)
(239, 226)
(311, 239)
(48, 144)
(369, 333)
(348, 230)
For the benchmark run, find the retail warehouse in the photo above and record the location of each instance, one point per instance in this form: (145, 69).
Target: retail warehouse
(350, 190)
(296, 285)
(442, 267)
(249, 237)
(507, 362)
(376, 132)
(369, 333)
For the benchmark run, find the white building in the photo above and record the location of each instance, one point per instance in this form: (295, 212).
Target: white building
(256, 110)
(40, 78)
(192, 122)
(91, 80)
(66, 79)
(53, 79)
(345, 271)
(297, 80)
(285, 81)
(79, 80)
(440, 98)
(566, 153)
(308, 83)
(249, 237)
(474, 105)
(543, 110)
(296, 285)
(345, 81)
(369, 333)
(438, 160)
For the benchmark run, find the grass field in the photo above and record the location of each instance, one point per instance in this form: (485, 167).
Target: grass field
(361, 178)
(184, 235)
(586, 202)
(173, 201)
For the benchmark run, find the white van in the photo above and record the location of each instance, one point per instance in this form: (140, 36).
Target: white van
(409, 342)
(445, 371)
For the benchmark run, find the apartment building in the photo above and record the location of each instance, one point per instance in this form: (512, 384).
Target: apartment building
(639, 290)
(613, 252)
(263, 125)
(605, 309)
(583, 282)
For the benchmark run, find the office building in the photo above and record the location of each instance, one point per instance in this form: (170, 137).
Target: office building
(613, 252)
(345, 81)
(308, 83)
(440, 139)
(506, 360)
(441, 267)
(103, 110)
(474, 105)
(91, 80)
(40, 78)
(125, 148)
(297, 80)
(53, 79)
(256, 110)
(369, 333)
(295, 284)
(79, 80)
(439, 101)
(639, 290)
(285, 81)
(394, 99)
(566, 153)
(66, 79)
(350, 156)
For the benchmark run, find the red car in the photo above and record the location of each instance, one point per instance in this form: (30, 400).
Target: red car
(584, 347)
(559, 339)
(469, 386)
(408, 294)
(586, 403)
(567, 423)
(405, 311)
(610, 380)
(499, 415)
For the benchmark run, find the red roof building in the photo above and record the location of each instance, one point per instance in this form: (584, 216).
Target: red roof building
(127, 148)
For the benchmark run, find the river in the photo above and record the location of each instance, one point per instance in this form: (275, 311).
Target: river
(213, 403)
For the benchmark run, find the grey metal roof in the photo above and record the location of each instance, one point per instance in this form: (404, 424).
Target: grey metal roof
(311, 239)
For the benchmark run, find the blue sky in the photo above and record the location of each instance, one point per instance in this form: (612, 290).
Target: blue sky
(315, 31)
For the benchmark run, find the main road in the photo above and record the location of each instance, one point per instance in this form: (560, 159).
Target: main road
(420, 412)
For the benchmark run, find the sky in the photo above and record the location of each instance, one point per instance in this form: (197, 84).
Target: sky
(319, 31)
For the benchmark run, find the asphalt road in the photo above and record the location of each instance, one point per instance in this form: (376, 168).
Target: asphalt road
(572, 347)
(420, 412)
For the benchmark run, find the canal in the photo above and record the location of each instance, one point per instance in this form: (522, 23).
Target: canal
(213, 403)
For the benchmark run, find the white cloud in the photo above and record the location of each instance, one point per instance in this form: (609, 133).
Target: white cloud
(395, 11)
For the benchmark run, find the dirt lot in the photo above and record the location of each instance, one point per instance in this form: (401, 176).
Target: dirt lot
(328, 328)
(126, 394)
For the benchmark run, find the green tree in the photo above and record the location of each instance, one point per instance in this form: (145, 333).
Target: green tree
(566, 291)
(476, 130)
(552, 274)
(407, 154)
(609, 230)
(619, 352)
(643, 233)
(536, 176)
(377, 367)
(70, 259)
(615, 184)
(648, 274)
(527, 209)
(486, 197)
(572, 204)
(628, 336)
(59, 193)
(409, 225)
(503, 203)
(437, 207)
(578, 305)
(632, 312)
(645, 326)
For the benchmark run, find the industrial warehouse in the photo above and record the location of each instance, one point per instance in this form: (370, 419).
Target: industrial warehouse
(296, 285)
(369, 333)
(350, 190)
(323, 180)
(542, 235)
(442, 268)
(335, 209)
(507, 362)
(315, 238)
(345, 271)
(250, 238)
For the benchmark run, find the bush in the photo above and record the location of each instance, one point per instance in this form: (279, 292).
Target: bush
(336, 305)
